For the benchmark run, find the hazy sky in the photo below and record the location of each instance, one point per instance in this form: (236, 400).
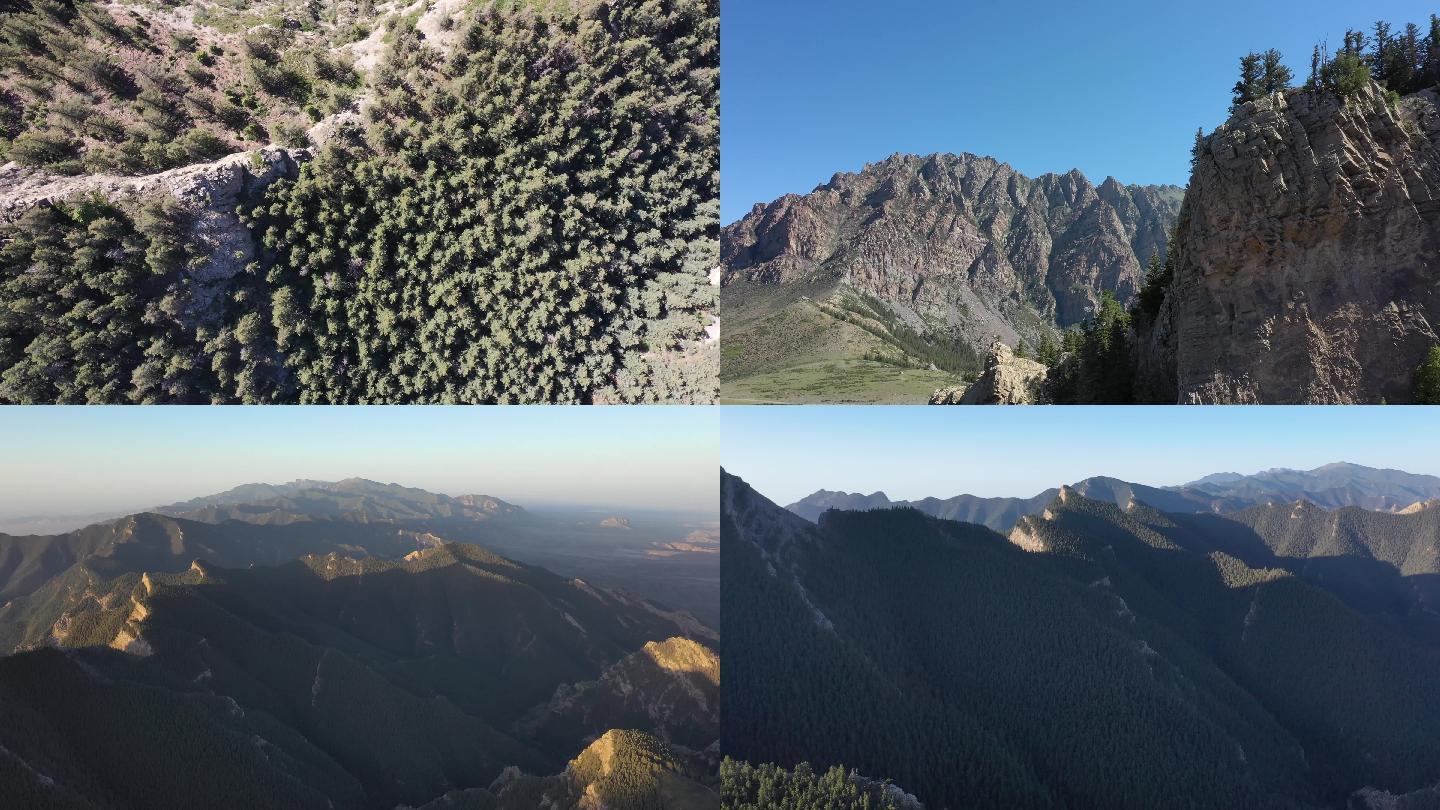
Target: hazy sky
(1112, 87)
(914, 452)
(100, 459)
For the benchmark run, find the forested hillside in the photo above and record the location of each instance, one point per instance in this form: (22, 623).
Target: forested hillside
(1386, 566)
(493, 202)
(331, 681)
(1087, 660)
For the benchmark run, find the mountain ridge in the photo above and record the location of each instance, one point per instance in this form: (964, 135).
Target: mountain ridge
(1379, 489)
(935, 637)
(445, 648)
(919, 262)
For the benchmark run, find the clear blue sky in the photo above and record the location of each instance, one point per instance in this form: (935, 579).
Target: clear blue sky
(86, 460)
(914, 452)
(1112, 87)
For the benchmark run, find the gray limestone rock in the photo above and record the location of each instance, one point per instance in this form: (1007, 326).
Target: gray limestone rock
(1308, 255)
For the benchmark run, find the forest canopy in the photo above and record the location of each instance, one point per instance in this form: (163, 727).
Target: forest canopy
(529, 214)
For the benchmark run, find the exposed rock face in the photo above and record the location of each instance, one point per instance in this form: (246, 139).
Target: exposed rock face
(671, 688)
(1008, 380)
(1309, 255)
(960, 241)
(949, 396)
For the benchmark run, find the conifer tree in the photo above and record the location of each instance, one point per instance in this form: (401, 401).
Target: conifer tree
(1427, 379)
(1276, 76)
(1251, 83)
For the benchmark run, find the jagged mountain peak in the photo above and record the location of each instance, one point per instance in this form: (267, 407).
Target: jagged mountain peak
(951, 246)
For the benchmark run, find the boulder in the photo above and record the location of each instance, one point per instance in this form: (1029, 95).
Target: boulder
(1007, 380)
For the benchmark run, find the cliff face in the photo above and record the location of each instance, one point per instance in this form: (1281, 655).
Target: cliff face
(960, 241)
(1309, 255)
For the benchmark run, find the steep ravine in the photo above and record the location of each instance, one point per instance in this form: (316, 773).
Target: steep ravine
(1308, 255)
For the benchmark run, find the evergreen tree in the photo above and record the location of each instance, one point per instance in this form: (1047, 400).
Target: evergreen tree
(1427, 379)
(1049, 351)
(1276, 76)
(1432, 53)
(1410, 61)
(1382, 61)
(1251, 83)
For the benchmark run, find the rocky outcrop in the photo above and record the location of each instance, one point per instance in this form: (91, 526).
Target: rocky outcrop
(959, 242)
(670, 687)
(949, 396)
(209, 195)
(1308, 255)
(1007, 380)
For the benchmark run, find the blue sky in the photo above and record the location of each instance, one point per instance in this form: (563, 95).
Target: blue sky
(97, 459)
(914, 452)
(1112, 87)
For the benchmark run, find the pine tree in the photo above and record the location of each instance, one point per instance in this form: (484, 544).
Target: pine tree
(1049, 351)
(1409, 60)
(1432, 53)
(1427, 379)
(1277, 77)
(1250, 86)
(1382, 60)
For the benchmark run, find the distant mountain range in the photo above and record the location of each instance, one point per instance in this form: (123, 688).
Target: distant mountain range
(1331, 486)
(350, 499)
(1097, 655)
(662, 558)
(332, 645)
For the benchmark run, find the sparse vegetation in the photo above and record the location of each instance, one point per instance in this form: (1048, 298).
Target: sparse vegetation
(148, 79)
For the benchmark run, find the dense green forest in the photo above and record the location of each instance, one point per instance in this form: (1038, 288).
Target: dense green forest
(527, 228)
(530, 215)
(765, 787)
(1114, 665)
(97, 307)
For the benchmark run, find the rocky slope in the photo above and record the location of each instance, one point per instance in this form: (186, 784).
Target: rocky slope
(959, 241)
(1308, 254)
(671, 687)
(621, 769)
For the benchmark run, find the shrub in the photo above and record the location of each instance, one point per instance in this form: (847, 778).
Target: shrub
(42, 148)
